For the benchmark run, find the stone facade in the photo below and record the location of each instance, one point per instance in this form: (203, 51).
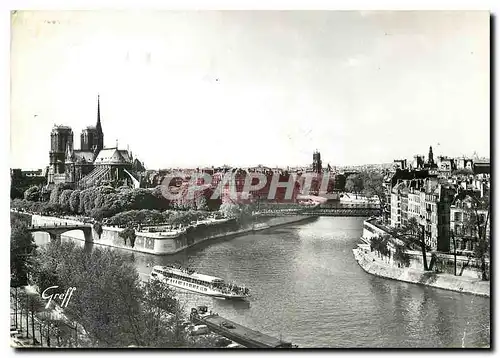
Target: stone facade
(91, 164)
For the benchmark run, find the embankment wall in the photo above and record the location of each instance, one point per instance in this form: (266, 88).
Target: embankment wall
(376, 266)
(165, 243)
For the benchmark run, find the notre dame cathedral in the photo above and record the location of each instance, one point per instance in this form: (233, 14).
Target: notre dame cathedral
(92, 164)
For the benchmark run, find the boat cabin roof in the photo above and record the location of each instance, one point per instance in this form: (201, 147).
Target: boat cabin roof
(195, 276)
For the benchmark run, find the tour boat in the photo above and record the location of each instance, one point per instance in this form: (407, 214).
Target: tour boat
(190, 280)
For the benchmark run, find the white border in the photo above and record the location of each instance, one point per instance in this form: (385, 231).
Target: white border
(5, 6)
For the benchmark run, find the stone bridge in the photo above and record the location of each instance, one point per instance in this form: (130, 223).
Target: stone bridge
(342, 211)
(55, 230)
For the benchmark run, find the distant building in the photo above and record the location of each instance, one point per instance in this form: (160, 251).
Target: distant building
(418, 162)
(464, 163)
(446, 165)
(481, 167)
(400, 164)
(21, 180)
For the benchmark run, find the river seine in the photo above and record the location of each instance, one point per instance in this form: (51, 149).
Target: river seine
(307, 288)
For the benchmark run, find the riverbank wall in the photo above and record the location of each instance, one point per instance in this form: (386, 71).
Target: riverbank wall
(168, 242)
(375, 265)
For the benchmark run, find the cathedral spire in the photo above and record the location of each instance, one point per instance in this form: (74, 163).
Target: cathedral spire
(98, 125)
(99, 140)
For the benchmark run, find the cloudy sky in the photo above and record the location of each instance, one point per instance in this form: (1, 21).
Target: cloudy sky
(245, 88)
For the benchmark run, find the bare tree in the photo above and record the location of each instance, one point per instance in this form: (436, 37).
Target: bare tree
(476, 230)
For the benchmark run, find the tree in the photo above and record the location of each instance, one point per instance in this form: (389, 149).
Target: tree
(354, 184)
(81, 201)
(201, 203)
(373, 185)
(98, 228)
(64, 199)
(476, 229)
(22, 247)
(56, 192)
(230, 210)
(107, 301)
(32, 193)
(74, 201)
(412, 236)
(128, 234)
(161, 317)
(380, 244)
(111, 304)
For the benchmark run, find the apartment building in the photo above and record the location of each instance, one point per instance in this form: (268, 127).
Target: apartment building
(461, 229)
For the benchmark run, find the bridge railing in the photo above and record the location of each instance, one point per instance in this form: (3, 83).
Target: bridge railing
(53, 225)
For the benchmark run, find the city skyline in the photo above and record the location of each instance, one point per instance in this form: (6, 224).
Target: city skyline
(248, 88)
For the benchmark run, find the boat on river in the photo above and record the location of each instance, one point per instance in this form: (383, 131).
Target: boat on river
(190, 280)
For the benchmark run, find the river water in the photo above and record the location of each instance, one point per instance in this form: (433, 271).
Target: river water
(307, 288)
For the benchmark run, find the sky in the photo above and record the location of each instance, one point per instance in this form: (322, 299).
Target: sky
(189, 89)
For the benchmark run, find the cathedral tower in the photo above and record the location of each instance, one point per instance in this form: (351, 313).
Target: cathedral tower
(92, 138)
(61, 139)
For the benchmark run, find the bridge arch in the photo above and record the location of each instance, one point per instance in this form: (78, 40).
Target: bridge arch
(55, 231)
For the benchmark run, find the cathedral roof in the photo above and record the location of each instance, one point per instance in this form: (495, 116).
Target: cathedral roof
(125, 154)
(83, 156)
(112, 156)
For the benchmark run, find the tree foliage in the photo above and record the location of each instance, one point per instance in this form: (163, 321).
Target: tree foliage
(74, 202)
(380, 244)
(56, 193)
(107, 290)
(373, 185)
(128, 234)
(230, 210)
(32, 193)
(201, 203)
(110, 302)
(21, 182)
(354, 183)
(22, 247)
(412, 237)
(64, 199)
